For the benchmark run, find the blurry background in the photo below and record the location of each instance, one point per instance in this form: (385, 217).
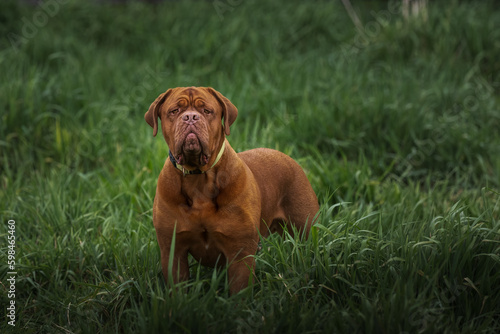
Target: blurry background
(391, 107)
(415, 96)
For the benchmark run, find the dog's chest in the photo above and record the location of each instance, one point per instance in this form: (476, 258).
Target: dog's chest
(199, 209)
(204, 247)
(201, 229)
(204, 238)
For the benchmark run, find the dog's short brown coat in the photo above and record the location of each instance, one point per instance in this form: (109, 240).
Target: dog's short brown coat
(218, 211)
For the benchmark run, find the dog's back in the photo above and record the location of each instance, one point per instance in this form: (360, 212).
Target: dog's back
(286, 194)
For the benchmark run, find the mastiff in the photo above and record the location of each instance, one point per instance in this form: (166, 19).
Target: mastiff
(212, 202)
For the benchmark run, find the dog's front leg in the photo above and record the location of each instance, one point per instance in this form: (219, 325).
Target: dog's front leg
(174, 259)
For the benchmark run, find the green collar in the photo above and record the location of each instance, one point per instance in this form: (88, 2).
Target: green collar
(196, 171)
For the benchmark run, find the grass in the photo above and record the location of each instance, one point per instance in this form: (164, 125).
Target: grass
(396, 126)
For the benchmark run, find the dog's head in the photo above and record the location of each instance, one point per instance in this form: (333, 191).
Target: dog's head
(194, 122)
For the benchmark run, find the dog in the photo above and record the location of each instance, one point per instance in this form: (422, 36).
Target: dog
(212, 202)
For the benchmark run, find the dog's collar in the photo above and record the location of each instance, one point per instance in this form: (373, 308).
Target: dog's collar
(196, 171)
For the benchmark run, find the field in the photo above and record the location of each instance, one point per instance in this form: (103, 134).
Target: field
(394, 118)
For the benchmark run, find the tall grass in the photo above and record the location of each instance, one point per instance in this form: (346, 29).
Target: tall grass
(397, 134)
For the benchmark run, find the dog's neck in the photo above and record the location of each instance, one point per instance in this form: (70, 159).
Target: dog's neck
(196, 171)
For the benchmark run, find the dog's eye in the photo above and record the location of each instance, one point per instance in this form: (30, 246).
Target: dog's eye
(207, 111)
(173, 111)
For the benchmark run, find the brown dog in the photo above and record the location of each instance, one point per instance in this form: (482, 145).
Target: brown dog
(213, 202)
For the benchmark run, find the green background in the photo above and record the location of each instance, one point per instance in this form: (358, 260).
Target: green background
(395, 120)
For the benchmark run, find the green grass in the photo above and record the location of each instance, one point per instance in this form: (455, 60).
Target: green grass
(399, 136)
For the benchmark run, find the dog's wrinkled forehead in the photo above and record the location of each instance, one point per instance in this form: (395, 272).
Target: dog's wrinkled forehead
(191, 97)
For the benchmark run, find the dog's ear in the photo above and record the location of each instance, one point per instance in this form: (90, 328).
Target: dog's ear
(152, 114)
(229, 111)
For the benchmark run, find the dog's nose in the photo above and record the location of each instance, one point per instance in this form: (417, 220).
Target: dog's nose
(191, 117)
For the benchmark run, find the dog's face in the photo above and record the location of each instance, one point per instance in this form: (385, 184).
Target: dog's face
(194, 121)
